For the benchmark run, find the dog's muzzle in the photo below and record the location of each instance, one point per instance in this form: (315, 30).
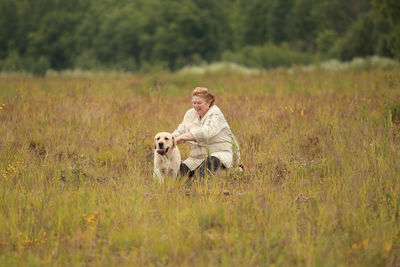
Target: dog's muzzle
(162, 151)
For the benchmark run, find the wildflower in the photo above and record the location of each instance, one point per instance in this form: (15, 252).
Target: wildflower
(365, 243)
(289, 108)
(304, 198)
(387, 247)
(91, 219)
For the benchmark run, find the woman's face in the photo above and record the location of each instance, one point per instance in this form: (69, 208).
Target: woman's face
(200, 105)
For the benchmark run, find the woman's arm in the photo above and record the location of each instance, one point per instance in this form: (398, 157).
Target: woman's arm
(184, 137)
(182, 126)
(180, 130)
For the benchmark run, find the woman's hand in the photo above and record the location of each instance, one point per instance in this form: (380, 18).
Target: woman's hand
(176, 140)
(184, 137)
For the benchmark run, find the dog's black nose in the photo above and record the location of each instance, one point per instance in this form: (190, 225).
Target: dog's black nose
(160, 145)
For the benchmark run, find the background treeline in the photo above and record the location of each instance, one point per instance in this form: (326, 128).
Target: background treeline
(139, 35)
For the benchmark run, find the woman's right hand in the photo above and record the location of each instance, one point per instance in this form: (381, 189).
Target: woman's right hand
(184, 137)
(176, 140)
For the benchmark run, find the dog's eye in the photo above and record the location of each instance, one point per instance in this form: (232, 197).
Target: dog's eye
(158, 138)
(166, 138)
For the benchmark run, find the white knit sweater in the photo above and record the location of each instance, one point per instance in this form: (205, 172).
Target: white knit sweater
(213, 137)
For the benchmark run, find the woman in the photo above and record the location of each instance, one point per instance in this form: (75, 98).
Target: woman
(213, 145)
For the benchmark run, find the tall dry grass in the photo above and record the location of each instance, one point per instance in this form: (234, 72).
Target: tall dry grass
(322, 149)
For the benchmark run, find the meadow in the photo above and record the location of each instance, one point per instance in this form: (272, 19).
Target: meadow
(322, 186)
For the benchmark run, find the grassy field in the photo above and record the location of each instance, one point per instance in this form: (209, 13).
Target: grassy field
(322, 189)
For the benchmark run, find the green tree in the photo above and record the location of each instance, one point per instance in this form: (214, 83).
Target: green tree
(114, 37)
(277, 18)
(388, 12)
(180, 31)
(360, 40)
(130, 34)
(249, 22)
(338, 15)
(8, 25)
(301, 25)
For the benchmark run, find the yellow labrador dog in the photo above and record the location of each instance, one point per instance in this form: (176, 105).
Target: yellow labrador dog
(167, 157)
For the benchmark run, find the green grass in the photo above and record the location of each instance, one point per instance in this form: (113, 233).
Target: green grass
(322, 189)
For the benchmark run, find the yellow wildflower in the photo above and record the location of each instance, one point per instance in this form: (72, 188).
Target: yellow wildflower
(387, 246)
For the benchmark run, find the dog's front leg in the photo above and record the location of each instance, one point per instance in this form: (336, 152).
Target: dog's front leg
(174, 173)
(158, 176)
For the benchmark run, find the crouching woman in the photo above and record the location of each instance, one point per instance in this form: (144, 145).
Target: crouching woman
(212, 143)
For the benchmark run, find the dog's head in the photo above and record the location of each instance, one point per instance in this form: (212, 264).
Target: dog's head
(163, 142)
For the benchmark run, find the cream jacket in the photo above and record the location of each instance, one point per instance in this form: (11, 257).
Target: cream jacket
(213, 137)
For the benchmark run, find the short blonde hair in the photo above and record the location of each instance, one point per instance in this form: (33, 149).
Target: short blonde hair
(204, 93)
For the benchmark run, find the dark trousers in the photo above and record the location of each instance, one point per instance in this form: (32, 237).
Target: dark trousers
(210, 164)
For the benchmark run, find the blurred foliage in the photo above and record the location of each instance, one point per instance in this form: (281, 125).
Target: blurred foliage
(142, 35)
(268, 56)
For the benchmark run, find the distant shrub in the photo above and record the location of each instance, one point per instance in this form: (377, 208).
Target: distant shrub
(360, 40)
(16, 63)
(268, 56)
(218, 67)
(325, 41)
(368, 63)
(40, 66)
(87, 61)
(156, 67)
